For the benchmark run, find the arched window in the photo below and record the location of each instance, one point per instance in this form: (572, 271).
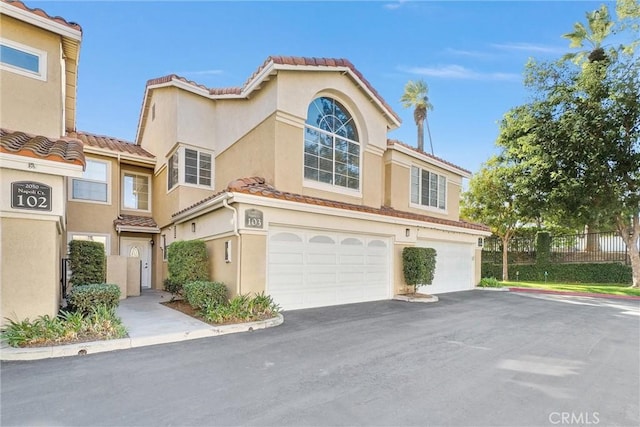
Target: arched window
(331, 147)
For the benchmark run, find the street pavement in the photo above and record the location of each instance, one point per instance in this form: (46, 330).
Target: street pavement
(476, 358)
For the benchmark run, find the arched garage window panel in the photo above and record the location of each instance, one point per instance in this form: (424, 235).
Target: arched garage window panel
(331, 145)
(351, 242)
(285, 237)
(377, 244)
(322, 239)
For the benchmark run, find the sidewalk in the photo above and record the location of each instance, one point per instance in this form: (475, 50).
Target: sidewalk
(148, 323)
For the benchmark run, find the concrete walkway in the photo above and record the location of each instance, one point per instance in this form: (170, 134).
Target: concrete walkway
(148, 323)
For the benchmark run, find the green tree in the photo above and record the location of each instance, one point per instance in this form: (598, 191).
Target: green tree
(576, 146)
(492, 200)
(416, 96)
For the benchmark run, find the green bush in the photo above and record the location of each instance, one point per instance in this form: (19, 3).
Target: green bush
(201, 295)
(243, 308)
(87, 262)
(85, 297)
(543, 248)
(172, 287)
(489, 282)
(419, 266)
(187, 262)
(569, 273)
(100, 323)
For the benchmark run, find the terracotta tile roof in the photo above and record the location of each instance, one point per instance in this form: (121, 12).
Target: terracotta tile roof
(282, 60)
(41, 13)
(64, 150)
(111, 144)
(257, 186)
(392, 142)
(171, 77)
(135, 221)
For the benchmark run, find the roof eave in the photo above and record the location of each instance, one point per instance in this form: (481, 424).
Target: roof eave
(39, 21)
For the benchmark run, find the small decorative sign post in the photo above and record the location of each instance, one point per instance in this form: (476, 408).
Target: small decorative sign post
(253, 218)
(30, 195)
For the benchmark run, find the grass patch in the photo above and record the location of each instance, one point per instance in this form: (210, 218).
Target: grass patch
(594, 288)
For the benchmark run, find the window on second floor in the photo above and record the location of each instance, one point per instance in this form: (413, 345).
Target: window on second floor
(331, 147)
(94, 184)
(20, 59)
(189, 166)
(428, 189)
(136, 192)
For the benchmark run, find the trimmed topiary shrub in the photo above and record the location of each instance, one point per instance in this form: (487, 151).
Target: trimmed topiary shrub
(419, 266)
(87, 262)
(202, 295)
(84, 298)
(187, 262)
(543, 248)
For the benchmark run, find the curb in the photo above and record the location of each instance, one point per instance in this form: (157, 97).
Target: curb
(430, 298)
(572, 293)
(81, 349)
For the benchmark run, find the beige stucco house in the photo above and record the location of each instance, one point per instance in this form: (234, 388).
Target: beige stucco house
(290, 180)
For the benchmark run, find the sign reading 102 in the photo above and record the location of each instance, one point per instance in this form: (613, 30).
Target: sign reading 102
(30, 195)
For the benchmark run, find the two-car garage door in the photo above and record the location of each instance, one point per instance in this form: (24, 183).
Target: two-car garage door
(308, 268)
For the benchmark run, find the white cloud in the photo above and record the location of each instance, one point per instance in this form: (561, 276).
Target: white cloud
(458, 72)
(468, 53)
(528, 47)
(395, 5)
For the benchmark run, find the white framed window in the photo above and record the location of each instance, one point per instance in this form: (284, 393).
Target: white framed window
(24, 60)
(428, 189)
(191, 167)
(331, 145)
(105, 239)
(136, 191)
(197, 167)
(94, 184)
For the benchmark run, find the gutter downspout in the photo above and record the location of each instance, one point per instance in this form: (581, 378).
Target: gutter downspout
(225, 204)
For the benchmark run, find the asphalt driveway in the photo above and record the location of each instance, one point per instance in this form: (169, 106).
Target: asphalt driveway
(475, 358)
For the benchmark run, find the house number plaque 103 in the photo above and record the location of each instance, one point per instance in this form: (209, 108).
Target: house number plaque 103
(253, 218)
(30, 195)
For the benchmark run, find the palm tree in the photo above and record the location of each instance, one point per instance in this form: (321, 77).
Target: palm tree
(599, 27)
(416, 96)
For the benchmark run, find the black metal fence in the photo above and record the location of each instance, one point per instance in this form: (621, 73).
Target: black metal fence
(575, 248)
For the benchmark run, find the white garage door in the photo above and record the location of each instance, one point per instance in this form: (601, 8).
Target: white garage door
(454, 267)
(314, 268)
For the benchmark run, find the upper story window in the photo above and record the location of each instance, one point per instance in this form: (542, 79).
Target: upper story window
(189, 166)
(20, 59)
(428, 189)
(136, 192)
(94, 184)
(331, 147)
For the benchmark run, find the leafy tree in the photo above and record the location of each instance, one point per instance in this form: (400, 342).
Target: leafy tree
(576, 146)
(416, 96)
(492, 200)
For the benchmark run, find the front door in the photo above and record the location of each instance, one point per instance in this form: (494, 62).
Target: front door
(139, 248)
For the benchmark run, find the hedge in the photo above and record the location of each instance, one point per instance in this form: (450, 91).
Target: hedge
(571, 273)
(202, 295)
(87, 262)
(83, 298)
(187, 262)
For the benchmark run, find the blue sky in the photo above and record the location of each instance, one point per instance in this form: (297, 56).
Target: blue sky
(471, 54)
